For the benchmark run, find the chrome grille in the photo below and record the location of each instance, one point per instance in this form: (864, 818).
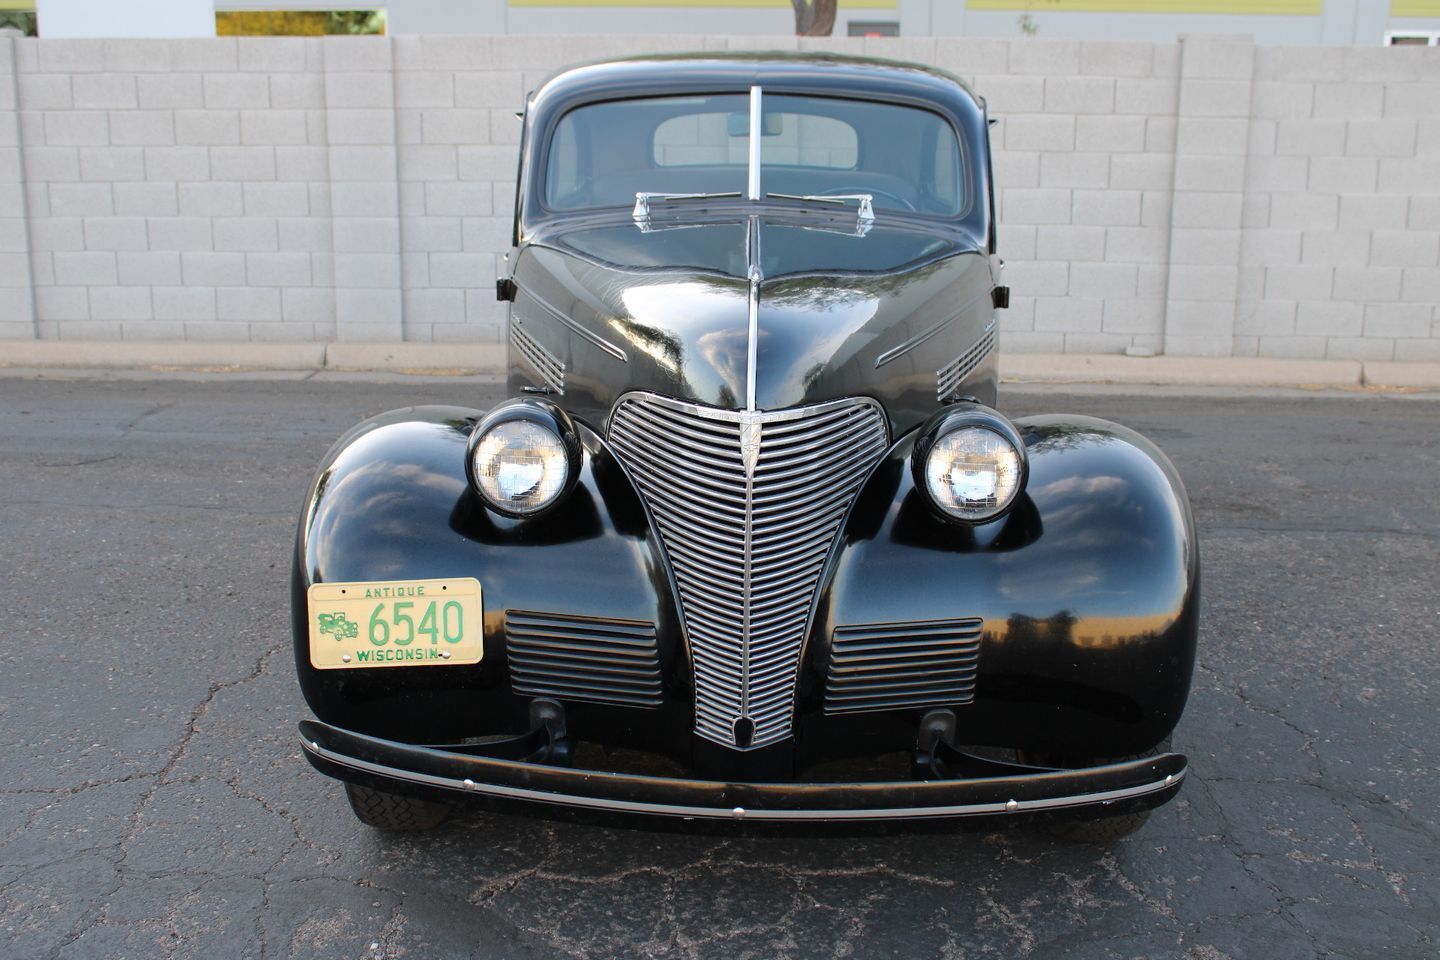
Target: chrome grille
(582, 658)
(891, 666)
(747, 505)
(949, 378)
(545, 363)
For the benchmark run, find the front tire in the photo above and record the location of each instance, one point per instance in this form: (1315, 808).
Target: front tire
(393, 813)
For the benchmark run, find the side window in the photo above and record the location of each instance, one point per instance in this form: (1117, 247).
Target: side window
(565, 165)
(947, 173)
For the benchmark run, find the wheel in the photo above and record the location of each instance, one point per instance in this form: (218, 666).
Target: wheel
(392, 812)
(1105, 829)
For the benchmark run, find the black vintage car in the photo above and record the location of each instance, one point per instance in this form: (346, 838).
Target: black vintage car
(750, 540)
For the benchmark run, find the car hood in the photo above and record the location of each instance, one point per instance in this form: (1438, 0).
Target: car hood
(672, 299)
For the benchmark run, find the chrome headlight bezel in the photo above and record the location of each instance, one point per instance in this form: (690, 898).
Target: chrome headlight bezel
(536, 413)
(952, 420)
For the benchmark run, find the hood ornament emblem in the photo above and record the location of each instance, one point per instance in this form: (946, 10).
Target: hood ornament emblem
(750, 430)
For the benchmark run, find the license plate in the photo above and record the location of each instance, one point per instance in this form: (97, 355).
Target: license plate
(396, 623)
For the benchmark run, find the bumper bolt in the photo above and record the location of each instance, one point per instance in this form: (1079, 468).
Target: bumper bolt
(738, 813)
(469, 784)
(1011, 806)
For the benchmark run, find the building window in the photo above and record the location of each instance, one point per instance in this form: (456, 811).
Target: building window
(299, 23)
(874, 28)
(1412, 38)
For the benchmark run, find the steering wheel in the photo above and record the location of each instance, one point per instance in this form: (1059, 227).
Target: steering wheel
(873, 191)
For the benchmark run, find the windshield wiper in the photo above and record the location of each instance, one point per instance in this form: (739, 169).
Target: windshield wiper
(642, 201)
(866, 213)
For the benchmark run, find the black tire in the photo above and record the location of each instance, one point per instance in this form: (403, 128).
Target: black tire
(392, 812)
(1105, 829)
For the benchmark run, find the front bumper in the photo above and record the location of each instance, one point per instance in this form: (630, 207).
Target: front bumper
(457, 777)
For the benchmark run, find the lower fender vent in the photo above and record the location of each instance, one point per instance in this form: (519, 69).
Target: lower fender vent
(583, 658)
(898, 666)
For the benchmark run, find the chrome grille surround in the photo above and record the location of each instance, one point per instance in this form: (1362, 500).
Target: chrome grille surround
(747, 505)
(894, 666)
(545, 363)
(949, 377)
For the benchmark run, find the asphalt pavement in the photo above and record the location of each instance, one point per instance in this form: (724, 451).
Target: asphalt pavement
(153, 801)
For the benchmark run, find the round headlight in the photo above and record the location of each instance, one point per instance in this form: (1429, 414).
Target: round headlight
(520, 466)
(971, 462)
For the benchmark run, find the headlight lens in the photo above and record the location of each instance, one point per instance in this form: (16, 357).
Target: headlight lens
(520, 466)
(973, 473)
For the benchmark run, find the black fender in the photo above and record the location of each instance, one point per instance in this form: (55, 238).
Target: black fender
(1089, 590)
(391, 501)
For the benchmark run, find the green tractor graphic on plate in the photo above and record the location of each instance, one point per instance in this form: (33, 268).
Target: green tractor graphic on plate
(338, 625)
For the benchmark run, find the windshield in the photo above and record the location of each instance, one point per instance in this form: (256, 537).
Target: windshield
(905, 158)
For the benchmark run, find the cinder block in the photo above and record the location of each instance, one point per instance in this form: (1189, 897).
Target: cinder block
(1072, 243)
(177, 163)
(1044, 57)
(1292, 348)
(211, 200)
(1006, 96)
(1366, 64)
(1404, 248)
(1348, 101)
(1424, 212)
(1335, 247)
(308, 305)
(62, 303)
(71, 56)
(77, 128)
(425, 89)
(492, 88)
(251, 304)
(1145, 171)
(1411, 101)
(1039, 133)
(1079, 95)
(1218, 174)
(1155, 208)
(434, 162)
(170, 91)
(1016, 242)
(1276, 174)
(1304, 211)
(455, 126)
(275, 199)
(431, 234)
(1281, 100)
(460, 269)
(1101, 281)
(365, 127)
(1206, 210)
(207, 127)
(302, 163)
(272, 127)
(369, 314)
(52, 164)
(310, 234)
(1200, 246)
(363, 91)
(104, 91)
(206, 269)
(1368, 284)
(1029, 341)
(1343, 174)
(1268, 318)
(459, 52)
(300, 91)
(1192, 282)
(184, 303)
(289, 269)
(1413, 175)
(1074, 170)
(356, 54)
(231, 331)
(120, 303)
(1309, 282)
(1397, 319)
(1137, 244)
(180, 233)
(146, 200)
(1209, 136)
(271, 54)
(1215, 98)
(365, 271)
(110, 164)
(203, 54)
(1421, 285)
(1011, 169)
(1329, 318)
(459, 199)
(85, 268)
(142, 127)
(45, 91)
(1112, 134)
(1158, 96)
(1068, 315)
(246, 234)
(242, 163)
(1311, 137)
(1038, 279)
(486, 163)
(57, 233)
(236, 91)
(415, 269)
(149, 268)
(115, 233)
(366, 235)
(1217, 57)
(1133, 316)
(1369, 212)
(1380, 138)
(486, 235)
(359, 164)
(432, 306)
(1117, 58)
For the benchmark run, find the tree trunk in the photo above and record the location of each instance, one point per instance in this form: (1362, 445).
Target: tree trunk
(814, 18)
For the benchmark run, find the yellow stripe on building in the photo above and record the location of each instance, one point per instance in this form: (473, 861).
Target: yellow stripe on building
(1415, 8)
(779, 4)
(18, 6)
(1284, 8)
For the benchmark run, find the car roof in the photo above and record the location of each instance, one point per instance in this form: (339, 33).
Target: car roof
(722, 71)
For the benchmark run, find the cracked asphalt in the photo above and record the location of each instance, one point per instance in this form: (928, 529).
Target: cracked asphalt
(153, 802)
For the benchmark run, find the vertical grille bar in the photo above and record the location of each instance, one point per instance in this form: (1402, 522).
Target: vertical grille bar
(747, 506)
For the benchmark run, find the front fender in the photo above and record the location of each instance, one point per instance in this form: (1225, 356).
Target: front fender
(391, 501)
(1088, 589)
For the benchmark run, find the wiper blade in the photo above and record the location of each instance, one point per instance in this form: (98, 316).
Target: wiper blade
(866, 201)
(642, 201)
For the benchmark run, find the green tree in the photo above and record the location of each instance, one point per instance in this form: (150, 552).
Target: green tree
(814, 18)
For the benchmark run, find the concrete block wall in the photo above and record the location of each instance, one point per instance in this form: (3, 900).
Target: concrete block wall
(1208, 197)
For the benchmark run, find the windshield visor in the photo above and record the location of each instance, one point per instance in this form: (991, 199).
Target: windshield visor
(905, 158)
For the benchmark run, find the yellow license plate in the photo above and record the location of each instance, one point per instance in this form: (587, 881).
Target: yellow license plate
(396, 623)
